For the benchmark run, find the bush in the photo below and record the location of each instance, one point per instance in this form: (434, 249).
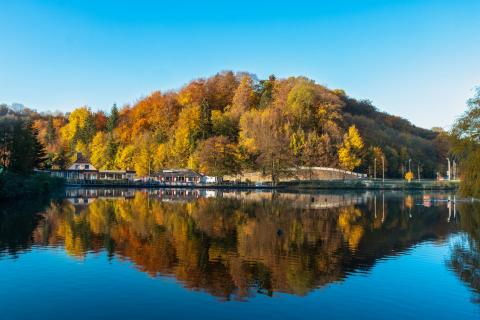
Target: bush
(15, 185)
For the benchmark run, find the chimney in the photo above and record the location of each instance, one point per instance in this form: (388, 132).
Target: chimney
(79, 156)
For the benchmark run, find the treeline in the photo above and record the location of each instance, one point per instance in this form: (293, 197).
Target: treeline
(233, 122)
(20, 149)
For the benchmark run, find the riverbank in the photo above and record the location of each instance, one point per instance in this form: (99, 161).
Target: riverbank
(365, 184)
(358, 184)
(13, 185)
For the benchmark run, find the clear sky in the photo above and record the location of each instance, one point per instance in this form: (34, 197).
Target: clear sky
(416, 59)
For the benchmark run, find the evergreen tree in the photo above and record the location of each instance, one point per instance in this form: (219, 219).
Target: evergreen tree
(113, 118)
(205, 126)
(51, 134)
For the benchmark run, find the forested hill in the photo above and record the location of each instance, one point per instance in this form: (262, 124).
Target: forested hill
(399, 139)
(234, 122)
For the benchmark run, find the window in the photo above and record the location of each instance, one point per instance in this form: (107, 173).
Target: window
(87, 167)
(77, 167)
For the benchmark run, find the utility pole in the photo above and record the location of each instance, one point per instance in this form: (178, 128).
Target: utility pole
(448, 172)
(375, 168)
(409, 165)
(418, 169)
(383, 169)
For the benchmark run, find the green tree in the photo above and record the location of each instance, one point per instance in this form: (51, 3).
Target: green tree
(113, 118)
(466, 147)
(205, 125)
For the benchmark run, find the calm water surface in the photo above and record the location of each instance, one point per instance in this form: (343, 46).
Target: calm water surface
(127, 254)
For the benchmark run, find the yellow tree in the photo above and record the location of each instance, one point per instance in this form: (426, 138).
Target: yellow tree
(409, 176)
(186, 132)
(76, 121)
(144, 153)
(349, 152)
(124, 157)
(98, 151)
(243, 99)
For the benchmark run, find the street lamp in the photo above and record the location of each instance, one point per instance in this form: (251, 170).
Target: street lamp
(448, 172)
(383, 169)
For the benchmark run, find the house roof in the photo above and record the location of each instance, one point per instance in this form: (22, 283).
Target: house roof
(116, 171)
(178, 173)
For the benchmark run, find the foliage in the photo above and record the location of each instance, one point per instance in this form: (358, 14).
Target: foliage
(466, 147)
(14, 185)
(409, 176)
(218, 156)
(20, 148)
(349, 152)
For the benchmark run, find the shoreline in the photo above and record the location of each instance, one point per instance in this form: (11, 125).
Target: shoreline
(296, 185)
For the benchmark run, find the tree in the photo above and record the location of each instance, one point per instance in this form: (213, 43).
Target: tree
(266, 92)
(205, 125)
(60, 159)
(218, 156)
(103, 151)
(113, 118)
(466, 147)
(349, 152)
(124, 157)
(409, 176)
(264, 134)
(243, 98)
(144, 154)
(186, 135)
(51, 134)
(20, 148)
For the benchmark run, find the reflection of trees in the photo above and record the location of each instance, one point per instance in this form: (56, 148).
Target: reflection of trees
(232, 247)
(17, 223)
(465, 255)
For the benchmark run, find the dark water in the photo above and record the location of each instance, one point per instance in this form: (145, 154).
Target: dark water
(125, 254)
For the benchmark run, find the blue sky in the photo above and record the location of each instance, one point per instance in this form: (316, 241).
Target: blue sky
(416, 59)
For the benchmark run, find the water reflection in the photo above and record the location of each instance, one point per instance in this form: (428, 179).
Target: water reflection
(465, 252)
(235, 245)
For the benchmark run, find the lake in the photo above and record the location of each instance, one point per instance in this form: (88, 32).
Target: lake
(207, 254)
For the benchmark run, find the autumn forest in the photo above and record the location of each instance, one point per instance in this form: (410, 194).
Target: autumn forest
(234, 122)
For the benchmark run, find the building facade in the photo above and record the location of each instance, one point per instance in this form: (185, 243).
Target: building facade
(82, 169)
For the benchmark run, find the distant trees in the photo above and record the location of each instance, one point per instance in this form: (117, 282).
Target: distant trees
(466, 147)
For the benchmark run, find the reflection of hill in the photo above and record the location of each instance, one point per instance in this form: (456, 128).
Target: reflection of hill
(233, 246)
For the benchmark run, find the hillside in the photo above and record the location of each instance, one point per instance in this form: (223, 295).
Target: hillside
(233, 122)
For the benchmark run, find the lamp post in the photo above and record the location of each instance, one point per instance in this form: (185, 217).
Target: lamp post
(454, 170)
(375, 169)
(409, 165)
(448, 172)
(383, 169)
